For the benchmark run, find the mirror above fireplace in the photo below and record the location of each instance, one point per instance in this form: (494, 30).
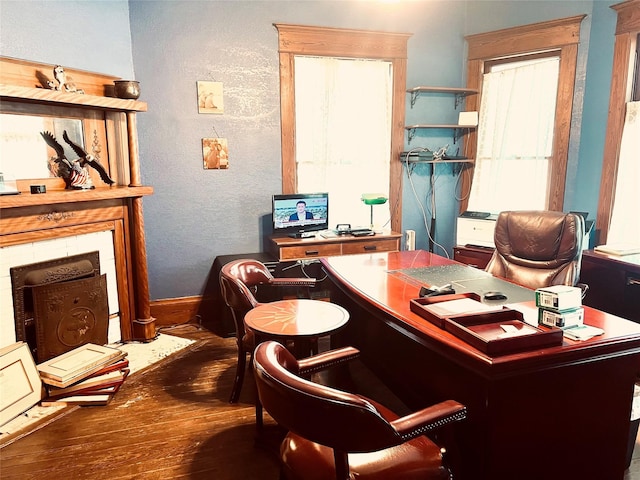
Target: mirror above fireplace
(23, 152)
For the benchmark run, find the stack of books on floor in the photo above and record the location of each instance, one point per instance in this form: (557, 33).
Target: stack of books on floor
(88, 375)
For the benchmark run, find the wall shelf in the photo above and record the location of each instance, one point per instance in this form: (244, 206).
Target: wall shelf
(458, 130)
(427, 157)
(458, 92)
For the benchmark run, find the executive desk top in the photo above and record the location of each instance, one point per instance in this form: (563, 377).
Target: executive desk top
(376, 280)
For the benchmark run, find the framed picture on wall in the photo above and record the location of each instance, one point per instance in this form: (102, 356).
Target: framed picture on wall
(215, 153)
(210, 98)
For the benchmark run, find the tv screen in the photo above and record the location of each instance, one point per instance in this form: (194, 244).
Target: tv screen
(300, 212)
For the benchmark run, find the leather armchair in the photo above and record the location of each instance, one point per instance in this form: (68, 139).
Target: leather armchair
(335, 434)
(538, 248)
(238, 281)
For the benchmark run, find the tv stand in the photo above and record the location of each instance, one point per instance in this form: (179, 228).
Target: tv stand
(287, 248)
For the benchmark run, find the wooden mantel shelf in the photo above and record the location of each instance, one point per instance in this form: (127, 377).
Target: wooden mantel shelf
(12, 92)
(68, 196)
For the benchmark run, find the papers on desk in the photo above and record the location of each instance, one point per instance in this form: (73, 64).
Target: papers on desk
(618, 249)
(582, 332)
(460, 307)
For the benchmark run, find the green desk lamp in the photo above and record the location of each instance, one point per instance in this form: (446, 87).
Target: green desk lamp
(372, 199)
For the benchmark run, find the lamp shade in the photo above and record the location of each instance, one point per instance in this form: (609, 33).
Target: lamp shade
(374, 198)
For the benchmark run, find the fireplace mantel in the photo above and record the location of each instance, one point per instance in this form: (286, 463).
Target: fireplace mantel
(109, 127)
(73, 196)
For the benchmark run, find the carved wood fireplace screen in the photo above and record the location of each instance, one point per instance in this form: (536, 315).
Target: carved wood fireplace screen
(60, 304)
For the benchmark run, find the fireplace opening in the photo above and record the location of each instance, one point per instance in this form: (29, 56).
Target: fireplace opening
(60, 304)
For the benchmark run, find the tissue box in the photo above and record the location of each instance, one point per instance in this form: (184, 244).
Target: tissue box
(559, 298)
(568, 318)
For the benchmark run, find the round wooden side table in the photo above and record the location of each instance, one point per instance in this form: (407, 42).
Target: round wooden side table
(295, 320)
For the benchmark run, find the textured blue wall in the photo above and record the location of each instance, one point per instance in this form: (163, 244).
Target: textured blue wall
(197, 214)
(92, 36)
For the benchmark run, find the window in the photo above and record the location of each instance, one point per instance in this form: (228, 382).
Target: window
(515, 136)
(617, 220)
(557, 39)
(343, 138)
(299, 41)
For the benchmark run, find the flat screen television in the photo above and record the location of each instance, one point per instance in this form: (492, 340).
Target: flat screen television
(300, 212)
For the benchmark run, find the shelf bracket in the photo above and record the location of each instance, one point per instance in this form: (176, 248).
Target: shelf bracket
(458, 133)
(411, 133)
(414, 97)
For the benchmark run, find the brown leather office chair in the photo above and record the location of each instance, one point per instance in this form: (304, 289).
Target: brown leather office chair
(538, 248)
(333, 434)
(238, 282)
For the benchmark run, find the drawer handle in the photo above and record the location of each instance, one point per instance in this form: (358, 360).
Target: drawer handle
(55, 216)
(633, 281)
(311, 252)
(370, 247)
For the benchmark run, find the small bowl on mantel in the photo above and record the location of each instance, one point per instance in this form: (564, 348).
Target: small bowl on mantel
(127, 89)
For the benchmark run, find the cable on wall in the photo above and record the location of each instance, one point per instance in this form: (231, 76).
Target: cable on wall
(410, 168)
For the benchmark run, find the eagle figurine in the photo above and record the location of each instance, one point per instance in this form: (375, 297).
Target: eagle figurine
(74, 172)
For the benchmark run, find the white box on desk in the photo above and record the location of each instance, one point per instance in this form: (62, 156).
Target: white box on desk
(476, 231)
(568, 318)
(559, 297)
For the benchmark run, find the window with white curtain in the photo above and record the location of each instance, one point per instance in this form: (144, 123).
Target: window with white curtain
(625, 221)
(515, 136)
(343, 134)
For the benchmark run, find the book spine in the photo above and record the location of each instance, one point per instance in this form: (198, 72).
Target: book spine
(92, 383)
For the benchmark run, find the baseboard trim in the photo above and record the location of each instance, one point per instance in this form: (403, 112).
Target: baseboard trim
(177, 311)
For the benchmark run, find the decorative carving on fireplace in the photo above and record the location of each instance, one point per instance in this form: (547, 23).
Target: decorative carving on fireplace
(69, 314)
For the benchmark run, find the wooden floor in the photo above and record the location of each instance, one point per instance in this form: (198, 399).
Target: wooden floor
(170, 421)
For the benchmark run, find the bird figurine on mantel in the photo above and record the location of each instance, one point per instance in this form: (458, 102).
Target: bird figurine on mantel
(74, 172)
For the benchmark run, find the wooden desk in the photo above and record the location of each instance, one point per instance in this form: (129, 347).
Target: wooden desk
(555, 413)
(287, 248)
(296, 320)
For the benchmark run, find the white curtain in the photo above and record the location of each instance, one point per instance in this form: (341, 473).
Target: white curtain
(343, 134)
(625, 219)
(515, 137)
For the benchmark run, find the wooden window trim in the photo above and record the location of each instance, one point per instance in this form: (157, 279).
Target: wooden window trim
(561, 36)
(334, 42)
(627, 29)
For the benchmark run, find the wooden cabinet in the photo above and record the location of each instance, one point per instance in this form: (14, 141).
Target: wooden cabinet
(475, 256)
(614, 283)
(287, 248)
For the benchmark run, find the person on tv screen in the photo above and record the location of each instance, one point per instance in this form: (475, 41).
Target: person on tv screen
(301, 212)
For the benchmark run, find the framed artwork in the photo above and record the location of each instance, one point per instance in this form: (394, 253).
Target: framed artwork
(20, 382)
(215, 153)
(210, 97)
